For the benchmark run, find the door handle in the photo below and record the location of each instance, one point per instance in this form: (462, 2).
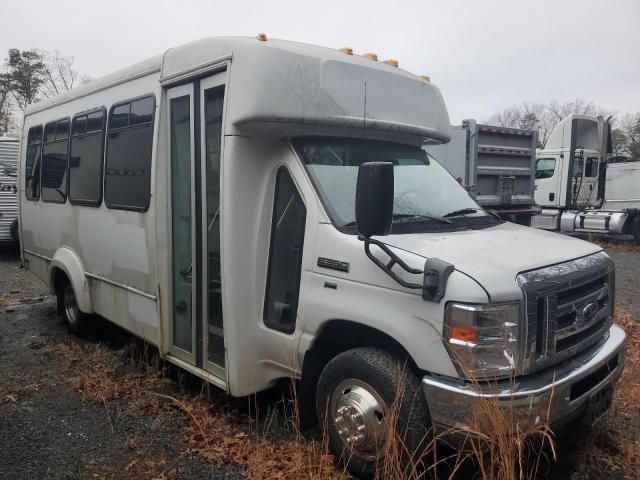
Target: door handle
(181, 306)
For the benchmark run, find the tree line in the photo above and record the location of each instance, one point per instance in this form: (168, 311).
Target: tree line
(543, 117)
(29, 76)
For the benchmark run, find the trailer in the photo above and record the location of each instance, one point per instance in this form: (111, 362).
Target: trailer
(580, 188)
(9, 147)
(495, 164)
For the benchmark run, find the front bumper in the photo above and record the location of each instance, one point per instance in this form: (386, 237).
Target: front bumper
(550, 397)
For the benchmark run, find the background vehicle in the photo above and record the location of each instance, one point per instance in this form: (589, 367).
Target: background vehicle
(253, 234)
(581, 189)
(495, 164)
(9, 147)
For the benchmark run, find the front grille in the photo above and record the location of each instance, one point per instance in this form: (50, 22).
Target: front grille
(568, 308)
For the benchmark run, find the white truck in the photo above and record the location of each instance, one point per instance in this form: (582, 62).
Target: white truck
(261, 210)
(495, 164)
(577, 186)
(9, 147)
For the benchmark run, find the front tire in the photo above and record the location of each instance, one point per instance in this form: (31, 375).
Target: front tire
(74, 318)
(364, 396)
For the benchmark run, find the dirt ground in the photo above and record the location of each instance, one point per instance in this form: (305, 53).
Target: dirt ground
(75, 407)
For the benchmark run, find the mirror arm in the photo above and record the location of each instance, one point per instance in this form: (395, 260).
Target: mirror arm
(394, 259)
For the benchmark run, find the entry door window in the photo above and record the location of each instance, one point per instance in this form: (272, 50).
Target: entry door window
(180, 138)
(285, 255)
(213, 107)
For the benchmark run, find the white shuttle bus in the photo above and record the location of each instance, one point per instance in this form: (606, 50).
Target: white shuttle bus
(262, 209)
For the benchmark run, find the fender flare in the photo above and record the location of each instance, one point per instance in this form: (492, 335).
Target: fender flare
(67, 261)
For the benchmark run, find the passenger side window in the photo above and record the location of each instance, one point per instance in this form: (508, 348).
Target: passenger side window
(85, 158)
(591, 167)
(127, 184)
(545, 167)
(285, 255)
(54, 161)
(32, 163)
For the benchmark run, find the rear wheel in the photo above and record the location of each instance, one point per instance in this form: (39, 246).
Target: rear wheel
(74, 318)
(366, 399)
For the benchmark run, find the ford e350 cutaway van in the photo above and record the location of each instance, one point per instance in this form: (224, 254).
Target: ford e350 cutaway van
(261, 209)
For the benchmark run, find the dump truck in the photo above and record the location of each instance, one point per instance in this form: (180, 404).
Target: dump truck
(495, 164)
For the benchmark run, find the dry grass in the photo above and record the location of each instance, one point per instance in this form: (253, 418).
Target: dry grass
(617, 245)
(498, 446)
(614, 444)
(12, 392)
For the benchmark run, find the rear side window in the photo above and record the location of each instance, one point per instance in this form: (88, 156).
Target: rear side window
(127, 179)
(285, 255)
(32, 163)
(545, 167)
(85, 158)
(591, 167)
(54, 161)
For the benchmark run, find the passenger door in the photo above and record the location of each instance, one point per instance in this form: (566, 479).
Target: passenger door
(195, 119)
(548, 174)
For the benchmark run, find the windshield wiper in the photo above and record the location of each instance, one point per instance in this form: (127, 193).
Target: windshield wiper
(405, 217)
(461, 212)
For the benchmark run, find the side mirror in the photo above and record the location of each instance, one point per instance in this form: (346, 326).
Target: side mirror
(374, 199)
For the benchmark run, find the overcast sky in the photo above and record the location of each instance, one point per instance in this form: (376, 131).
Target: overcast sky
(484, 55)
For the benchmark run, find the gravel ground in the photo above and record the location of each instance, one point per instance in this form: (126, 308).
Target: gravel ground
(48, 432)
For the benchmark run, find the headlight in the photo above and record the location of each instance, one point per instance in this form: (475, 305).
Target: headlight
(483, 339)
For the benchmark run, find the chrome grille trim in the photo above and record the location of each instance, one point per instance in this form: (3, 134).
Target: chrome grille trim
(568, 307)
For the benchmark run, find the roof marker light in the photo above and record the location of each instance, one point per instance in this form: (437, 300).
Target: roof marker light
(392, 62)
(262, 37)
(426, 78)
(347, 50)
(371, 56)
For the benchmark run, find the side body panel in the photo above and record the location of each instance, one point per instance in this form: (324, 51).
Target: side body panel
(116, 248)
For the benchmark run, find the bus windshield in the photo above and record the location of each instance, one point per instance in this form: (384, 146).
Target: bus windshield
(423, 190)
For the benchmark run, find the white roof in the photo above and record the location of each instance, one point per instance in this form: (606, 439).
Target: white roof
(285, 88)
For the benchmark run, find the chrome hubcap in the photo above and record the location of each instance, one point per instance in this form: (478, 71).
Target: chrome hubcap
(357, 412)
(70, 304)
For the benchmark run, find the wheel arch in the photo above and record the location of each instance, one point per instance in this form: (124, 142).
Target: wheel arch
(66, 262)
(338, 336)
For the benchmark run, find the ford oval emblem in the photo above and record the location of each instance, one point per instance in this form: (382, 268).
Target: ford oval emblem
(590, 311)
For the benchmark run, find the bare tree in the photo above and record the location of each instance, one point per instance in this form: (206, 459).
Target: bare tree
(31, 75)
(626, 136)
(59, 74)
(542, 117)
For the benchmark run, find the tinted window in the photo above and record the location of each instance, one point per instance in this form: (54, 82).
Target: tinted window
(50, 132)
(141, 111)
(85, 161)
(545, 167)
(79, 125)
(32, 163)
(119, 116)
(54, 163)
(95, 121)
(285, 255)
(591, 167)
(128, 162)
(62, 129)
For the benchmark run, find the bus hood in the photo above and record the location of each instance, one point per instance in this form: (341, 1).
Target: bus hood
(495, 256)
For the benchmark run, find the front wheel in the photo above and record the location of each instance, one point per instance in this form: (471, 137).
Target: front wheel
(368, 401)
